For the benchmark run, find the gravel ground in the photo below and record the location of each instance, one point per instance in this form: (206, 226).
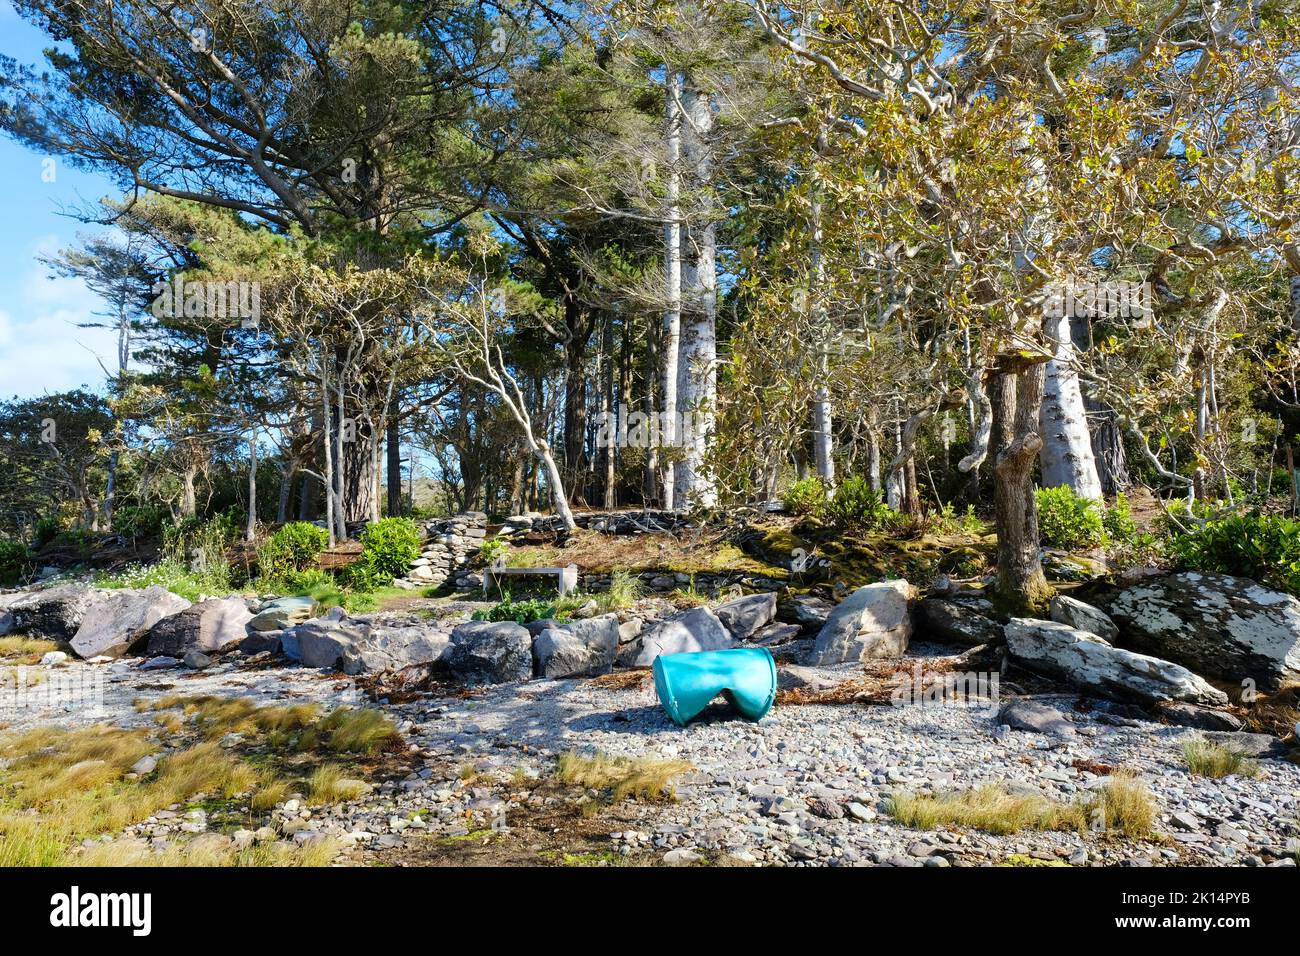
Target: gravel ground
(806, 786)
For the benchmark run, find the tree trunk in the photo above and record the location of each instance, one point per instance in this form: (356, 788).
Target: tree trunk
(286, 490)
(1017, 397)
(672, 322)
(250, 530)
(697, 357)
(1066, 454)
(189, 502)
(606, 402)
(307, 498)
(578, 326)
(821, 401)
(393, 474)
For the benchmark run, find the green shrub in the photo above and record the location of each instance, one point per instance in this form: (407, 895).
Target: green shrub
(1066, 520)
(1265, 548)
(492, 549)
(139, 521)
(856, 504)
(46, 530)
(291, 549)
(521, 612)
(807, 496)
(1118, 521)
(388, 548)
(15, 561)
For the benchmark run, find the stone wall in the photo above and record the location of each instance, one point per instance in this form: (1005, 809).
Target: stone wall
(450, 544)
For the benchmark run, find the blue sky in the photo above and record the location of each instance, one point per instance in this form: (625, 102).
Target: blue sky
(41, 347)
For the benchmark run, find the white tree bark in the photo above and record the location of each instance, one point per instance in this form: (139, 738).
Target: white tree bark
(821, 402)
(697, 355)
(1066, 456)
(672, 323)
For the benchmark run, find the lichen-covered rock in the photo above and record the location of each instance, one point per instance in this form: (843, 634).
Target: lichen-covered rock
(698, 629)
(1227, 627)
(284, 612)
(1087, 661)
(743, 616)
(491, 652)
(113, 624)
(211, 625)
(1083, 617)
(968, 621)
(577, 648)
(871, 622)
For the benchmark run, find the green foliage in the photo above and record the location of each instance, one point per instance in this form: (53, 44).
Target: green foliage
(76, 539)
(624, 591)
(1265, 548)
(174, 575)
(46, 530)
(521, 612)
(807, 496)
(1118, 521)
(1065, 520)
(492, 549)
(139, 521)
(291, 549)
(857, 505)
(388, 548)
(15, 561)
(967, 523)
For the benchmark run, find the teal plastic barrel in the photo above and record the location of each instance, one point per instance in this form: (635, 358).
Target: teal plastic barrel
(686, 683)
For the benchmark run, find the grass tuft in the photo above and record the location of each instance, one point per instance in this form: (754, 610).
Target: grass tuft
(988, 808)
(1207, 759)
(642, 778)
(1120, 806)
(328, 785)
(24, 650)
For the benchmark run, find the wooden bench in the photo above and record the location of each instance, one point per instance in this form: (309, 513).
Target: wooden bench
(567, 576)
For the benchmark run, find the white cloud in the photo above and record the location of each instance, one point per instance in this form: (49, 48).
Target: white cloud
(42, 348)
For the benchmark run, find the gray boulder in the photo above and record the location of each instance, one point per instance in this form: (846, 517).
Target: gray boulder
(112, 625)
(871, 622)
(776, 633)
(258, 641)
(1202, 718)
(393, 648)
(212, 625)
(323, 642)
(577, 649)
(1250, 745)
(968, 621)
(51, 613)
(1035, 717)
(698, 629)
(743, 616)
(1083, 617)
(491, 652)
(805, 610)
(1087, 661)
(1227, 627)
